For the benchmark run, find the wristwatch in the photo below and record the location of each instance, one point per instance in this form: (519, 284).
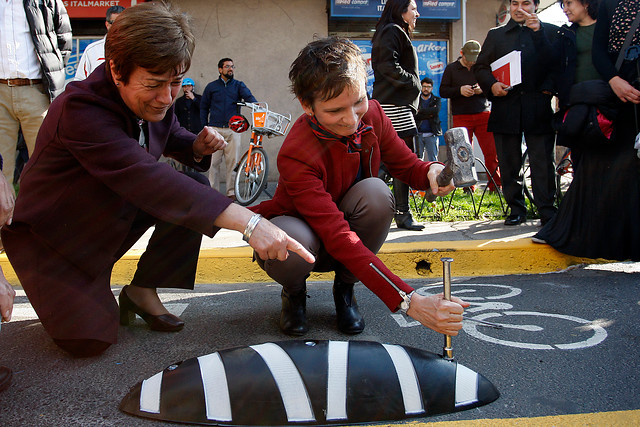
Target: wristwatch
(406, 301)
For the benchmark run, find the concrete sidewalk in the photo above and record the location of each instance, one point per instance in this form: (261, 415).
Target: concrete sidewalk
(477, 247)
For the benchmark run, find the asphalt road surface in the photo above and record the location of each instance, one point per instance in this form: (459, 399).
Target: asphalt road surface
(569, 344)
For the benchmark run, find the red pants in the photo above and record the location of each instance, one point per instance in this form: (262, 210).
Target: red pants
(477, 124)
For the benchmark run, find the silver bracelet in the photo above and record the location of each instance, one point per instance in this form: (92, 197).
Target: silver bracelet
(406, 302)
(251, 225)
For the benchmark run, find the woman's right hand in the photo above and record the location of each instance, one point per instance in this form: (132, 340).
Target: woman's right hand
(269, 241)
(437, 313)
(624, 90)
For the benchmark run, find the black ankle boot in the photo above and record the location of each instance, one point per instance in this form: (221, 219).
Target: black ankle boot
(406, 221)
(349, 319)
(403, 213)
(293, 317)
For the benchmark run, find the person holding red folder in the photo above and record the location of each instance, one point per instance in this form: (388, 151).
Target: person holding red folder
(523, 109)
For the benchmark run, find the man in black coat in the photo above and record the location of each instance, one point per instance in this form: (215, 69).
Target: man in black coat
(524, 109)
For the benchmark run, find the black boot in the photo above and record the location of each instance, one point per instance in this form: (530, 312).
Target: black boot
(403, 214)
(293, 317)
(349, 319)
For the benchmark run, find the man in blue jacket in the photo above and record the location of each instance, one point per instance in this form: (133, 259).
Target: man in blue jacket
(218, 104)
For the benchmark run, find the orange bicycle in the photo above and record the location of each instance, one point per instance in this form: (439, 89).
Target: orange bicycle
(252, 170)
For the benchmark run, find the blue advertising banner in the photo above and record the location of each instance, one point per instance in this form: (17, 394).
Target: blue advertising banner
(432, 59)
(428, 9)
(79, 45)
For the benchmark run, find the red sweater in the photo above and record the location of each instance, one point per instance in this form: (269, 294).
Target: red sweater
(315, 175)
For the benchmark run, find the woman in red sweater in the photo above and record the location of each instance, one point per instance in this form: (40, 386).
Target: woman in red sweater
(329, 197)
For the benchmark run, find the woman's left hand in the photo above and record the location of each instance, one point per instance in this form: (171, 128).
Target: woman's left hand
(208, 141)
(444, 317)
(624, 90)
(432, 176)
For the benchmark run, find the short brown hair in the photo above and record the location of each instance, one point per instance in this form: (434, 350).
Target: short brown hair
(155, 36)
(324, 68)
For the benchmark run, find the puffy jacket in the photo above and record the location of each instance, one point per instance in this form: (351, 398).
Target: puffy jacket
(51, 32)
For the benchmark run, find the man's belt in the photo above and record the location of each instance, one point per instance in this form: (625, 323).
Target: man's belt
(20, 82)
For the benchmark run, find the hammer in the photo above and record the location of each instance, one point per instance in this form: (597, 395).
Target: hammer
(459, 165)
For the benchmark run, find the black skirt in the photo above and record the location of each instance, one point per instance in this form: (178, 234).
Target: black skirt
(599, 216)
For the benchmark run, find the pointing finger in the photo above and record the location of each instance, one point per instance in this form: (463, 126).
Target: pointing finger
(525, 13)
(296, 247)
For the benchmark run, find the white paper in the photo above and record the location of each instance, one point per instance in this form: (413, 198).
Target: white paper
(514, 60)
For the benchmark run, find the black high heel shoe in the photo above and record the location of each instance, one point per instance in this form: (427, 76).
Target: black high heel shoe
(162, 322)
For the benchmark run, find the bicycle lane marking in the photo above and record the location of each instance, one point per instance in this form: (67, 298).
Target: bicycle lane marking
(599, 333)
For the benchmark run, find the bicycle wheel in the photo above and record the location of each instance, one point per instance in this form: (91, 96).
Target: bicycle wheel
(564, 174)
(563, 177)
(252, 175)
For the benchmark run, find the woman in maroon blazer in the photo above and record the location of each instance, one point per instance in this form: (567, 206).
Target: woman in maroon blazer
(329, 199)
(94, 185)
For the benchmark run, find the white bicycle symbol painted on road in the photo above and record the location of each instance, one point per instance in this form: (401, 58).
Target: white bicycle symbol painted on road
(487, 306)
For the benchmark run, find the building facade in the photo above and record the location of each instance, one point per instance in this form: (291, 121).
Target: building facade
(264, 37)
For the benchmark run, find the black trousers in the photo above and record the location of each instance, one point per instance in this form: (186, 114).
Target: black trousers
(541, 149)
(74, 305)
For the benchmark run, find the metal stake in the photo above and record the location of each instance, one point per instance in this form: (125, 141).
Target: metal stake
(447, 352)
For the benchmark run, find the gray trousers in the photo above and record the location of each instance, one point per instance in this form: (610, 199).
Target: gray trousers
(368, 207)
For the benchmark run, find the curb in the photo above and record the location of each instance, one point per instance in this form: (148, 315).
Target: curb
(413, 260)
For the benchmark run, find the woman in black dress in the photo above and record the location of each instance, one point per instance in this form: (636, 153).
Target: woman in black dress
(599, 216)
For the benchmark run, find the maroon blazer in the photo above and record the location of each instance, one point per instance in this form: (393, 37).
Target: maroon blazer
(88, 177)
(315, 175)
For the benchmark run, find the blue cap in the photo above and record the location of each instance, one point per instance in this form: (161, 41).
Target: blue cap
(188, 81)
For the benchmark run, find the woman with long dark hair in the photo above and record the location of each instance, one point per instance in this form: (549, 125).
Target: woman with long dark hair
(397, 85)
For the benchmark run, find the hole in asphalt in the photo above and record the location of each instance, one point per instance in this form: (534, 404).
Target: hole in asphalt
(423, 268)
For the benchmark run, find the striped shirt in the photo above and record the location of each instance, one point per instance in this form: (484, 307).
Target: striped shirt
(401, 118)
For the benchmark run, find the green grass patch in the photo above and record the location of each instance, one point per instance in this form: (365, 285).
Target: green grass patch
(460, 206)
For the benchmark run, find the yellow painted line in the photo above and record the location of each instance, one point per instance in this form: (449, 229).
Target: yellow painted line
(408, 260)
(597, 419)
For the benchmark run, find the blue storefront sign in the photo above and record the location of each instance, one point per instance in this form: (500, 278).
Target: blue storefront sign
(432, 59)
(428, 9)
(79, 45)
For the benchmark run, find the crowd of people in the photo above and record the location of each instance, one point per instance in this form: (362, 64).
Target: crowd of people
(330, 211)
